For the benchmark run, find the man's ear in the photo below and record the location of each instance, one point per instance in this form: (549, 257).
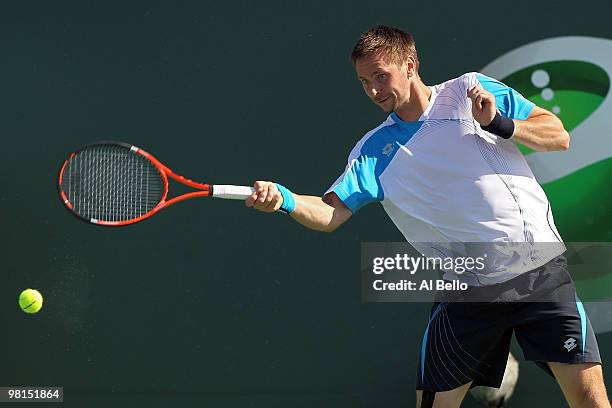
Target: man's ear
(410, 67)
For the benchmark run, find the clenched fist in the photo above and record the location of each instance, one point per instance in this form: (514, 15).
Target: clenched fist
(266, 197)
(483, 105)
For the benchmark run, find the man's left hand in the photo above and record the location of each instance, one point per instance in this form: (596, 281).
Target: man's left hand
(483, 105)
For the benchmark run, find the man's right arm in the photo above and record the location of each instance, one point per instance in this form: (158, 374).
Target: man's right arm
(318, 213)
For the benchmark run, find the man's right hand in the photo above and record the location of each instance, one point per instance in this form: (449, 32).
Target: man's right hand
(266, 197)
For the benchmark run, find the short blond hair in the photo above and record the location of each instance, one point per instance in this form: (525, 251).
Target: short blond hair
(392, 43)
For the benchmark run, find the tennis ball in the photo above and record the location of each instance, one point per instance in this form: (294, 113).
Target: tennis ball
(30, 301)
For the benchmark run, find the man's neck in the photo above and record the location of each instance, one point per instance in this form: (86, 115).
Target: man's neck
(419, 100)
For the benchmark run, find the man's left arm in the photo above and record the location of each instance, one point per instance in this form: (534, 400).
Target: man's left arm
(541, 131)
(504, 112)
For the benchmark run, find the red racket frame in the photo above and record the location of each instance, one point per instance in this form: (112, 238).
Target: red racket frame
(165, 172)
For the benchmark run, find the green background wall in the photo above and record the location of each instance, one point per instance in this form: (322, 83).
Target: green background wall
(210, 303)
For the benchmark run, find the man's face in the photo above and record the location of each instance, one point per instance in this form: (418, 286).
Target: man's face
(385, 83)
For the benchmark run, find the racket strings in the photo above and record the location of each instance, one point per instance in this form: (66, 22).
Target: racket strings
(111, 183)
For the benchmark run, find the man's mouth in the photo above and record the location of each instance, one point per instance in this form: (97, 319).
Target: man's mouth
(382, 100)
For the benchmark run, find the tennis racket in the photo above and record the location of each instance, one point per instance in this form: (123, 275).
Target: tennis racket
(116, 184)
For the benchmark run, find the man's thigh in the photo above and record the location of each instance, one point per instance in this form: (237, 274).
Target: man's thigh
(445, 399)
(556, 331)
(582, 384)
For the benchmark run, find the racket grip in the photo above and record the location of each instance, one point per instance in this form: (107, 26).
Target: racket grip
(231, 192)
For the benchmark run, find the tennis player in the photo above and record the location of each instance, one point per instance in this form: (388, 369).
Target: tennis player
(445, 167)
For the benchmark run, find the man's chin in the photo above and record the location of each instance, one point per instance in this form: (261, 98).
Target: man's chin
(386, 106)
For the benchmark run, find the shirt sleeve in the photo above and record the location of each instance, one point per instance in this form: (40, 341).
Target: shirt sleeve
(510, 103)
(358, 184)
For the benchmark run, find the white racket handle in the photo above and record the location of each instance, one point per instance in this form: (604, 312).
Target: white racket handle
(232, 192)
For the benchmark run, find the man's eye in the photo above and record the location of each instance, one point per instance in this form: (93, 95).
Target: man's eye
(363, 81)
(381, 77)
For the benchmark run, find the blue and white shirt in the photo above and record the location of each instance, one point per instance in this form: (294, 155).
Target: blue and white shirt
(442, 179)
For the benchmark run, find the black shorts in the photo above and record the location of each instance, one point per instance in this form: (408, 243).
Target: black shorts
(470, 341)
